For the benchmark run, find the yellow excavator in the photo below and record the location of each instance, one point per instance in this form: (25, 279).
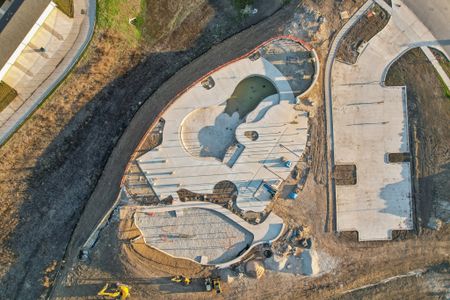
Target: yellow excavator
(115, 291)
(181, 279)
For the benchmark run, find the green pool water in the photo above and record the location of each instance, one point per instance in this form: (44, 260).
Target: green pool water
(248, 94)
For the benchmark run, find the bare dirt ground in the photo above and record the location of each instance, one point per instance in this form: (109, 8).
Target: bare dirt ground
(353, 43)
(428, 114)
(428, 284)
(50, 167)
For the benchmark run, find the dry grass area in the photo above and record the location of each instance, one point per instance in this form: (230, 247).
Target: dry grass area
(431, 284)
(7, 94)
(38, 164)
(184, 16)
(66, 6)
(51, 165)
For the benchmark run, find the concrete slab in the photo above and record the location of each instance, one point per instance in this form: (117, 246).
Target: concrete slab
(282, 133)
(265, 232)
(193, 233)
(370, 121)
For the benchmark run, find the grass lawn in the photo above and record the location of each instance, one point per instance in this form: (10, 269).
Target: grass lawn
(115, 15)
(66, 6)
(7, 94)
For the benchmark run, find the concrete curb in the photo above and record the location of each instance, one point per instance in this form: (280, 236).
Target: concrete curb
(316, 74)
(328, 103)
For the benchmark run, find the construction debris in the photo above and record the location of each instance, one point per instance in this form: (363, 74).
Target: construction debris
(255, 269)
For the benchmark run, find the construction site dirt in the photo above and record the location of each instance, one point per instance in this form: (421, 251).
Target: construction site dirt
(358, 36)
(428, 109)
(50, 171)
(50, 167)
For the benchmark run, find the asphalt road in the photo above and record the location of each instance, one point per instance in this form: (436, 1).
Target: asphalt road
(434, 14)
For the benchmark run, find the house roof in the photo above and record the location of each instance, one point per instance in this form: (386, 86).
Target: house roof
(16, 23)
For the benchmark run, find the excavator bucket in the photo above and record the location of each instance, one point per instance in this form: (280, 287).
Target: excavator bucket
(114, 291)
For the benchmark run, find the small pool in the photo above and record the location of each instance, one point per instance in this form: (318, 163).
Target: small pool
(248, 94)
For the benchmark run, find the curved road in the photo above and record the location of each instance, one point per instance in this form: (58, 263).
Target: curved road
(435, 15)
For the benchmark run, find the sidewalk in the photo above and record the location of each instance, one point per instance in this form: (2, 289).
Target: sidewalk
(366, 120)
(44, 75)
(417, 33)
(436, 65)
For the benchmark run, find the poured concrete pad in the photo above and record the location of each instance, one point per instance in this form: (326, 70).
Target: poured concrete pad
(370, 121)
(293, 60)
(193, 233)
(178, 163)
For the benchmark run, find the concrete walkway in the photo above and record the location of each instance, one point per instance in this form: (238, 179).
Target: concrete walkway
(436, 65)
(366, 120)
(435, 15)
(328, 100)
(417, 33)
(34, 87)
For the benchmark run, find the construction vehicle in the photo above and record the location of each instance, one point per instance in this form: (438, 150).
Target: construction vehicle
(216, 285)
(115, 291)
(181, 279)
(208, 284)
